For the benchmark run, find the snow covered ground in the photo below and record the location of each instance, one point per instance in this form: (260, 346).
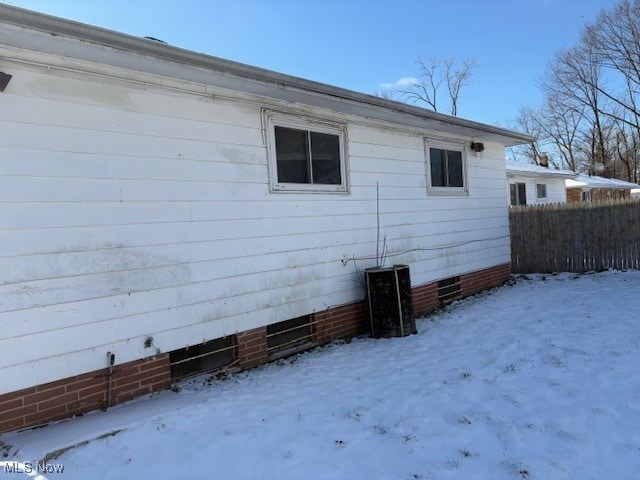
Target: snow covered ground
(537, 380)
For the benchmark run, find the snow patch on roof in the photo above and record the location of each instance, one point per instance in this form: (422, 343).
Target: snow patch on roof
(584, 180)
(518, 168)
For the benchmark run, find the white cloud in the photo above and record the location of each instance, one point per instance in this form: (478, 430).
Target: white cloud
(404, 82)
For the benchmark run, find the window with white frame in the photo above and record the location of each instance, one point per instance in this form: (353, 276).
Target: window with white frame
(446, 168)
(541, 191)
(306, 155)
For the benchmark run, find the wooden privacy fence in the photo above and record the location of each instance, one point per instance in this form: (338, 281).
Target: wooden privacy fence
(575, 237)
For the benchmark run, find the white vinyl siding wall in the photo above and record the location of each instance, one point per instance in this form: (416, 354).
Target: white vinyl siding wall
(556, 191)
(130, 211)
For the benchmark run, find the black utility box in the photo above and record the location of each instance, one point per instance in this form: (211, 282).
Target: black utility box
(390, 301)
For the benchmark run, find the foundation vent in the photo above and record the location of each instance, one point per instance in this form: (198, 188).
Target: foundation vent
(449, 290)
(290, 336)
(206, 357)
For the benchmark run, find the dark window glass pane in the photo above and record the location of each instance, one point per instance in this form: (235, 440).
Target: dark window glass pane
(437, 159)
(522, 194)
(454, 168)
(513, 192)
(292, 155)
(541, 190)
(325, 158)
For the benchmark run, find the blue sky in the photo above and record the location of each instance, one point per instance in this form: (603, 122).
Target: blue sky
(360, 45)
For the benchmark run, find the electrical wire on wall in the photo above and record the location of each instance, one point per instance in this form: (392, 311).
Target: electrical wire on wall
(381, 256)
(345, 261)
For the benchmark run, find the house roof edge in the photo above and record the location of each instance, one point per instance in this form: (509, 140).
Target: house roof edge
(98, 35)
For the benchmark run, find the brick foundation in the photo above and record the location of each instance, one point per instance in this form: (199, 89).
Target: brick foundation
(598, 194)
(475, 282)
(574, 195)
(425, 299)
(82, 393)
(342, 322)
(252, 348)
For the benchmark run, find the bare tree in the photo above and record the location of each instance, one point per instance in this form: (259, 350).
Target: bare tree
(561, 126)
(615, 36)
(434, 73)
(386, 93)
(626, 164)
(591, 112)
(556, 130)
(527, 121)
(575, 82)
(457, 76)
(425, 91)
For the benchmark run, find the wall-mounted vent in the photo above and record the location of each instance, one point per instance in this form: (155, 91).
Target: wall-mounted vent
(207, 357)
(449, 290)
(290, 336)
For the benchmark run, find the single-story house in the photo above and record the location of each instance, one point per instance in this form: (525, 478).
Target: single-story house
(166, 212)
(531, 184)
(592, 188)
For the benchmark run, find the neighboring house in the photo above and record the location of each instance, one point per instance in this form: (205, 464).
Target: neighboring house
(591, 188)
(166, 212)
(536, 184)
